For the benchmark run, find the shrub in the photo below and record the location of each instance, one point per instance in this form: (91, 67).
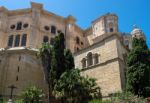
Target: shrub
(32, 95)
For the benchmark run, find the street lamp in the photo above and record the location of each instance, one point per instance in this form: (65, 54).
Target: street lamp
(12, 87)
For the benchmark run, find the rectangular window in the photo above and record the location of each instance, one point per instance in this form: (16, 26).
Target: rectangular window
(17, 40)
(52, 41)
(19, 26)
(45, 39)
(18, 69)
(16, 78)
(24, 40)
(53, 29)
(10, 41)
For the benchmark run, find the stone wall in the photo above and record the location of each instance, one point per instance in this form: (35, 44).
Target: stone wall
(109, 72)
(107, 77)
(22, 69)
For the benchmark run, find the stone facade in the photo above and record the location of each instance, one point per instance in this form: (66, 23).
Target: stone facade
(109, 69)
(37, 23)
(99, 51)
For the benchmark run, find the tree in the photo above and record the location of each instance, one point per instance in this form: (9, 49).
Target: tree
(69, 60)
(64, 80)
(56, 60)
(33, 95)
(61, 59)
(59, 47)
(138, 72)
(45, 53)
(74, 88)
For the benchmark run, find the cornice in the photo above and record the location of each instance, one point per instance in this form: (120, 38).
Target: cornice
(18, 12)
(18, 50)
(106, 36)
(47, 13)
(101, 64)
(104, 16)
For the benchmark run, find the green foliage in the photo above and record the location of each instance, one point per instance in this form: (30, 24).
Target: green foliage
(69, 60)
(125, 97)
(70, 85)
(138, 72)
(19, 101)
(55, 60)
(59, 48)
(53, 71)
(45, 53)
(100, 101)
(64, 80)
(75, 88)
(3, 101)
(32, 95)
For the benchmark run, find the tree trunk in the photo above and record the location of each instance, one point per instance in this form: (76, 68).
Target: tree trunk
(49, 93)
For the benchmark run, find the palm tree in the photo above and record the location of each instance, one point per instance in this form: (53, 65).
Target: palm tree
(45, 53)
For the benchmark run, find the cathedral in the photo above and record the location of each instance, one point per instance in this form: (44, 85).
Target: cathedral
(100, 51)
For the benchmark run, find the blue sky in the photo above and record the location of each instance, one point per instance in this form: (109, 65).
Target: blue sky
(130, 12)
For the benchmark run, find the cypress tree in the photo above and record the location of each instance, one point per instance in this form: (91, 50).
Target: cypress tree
(138, 72)
(69, 60)
(56, 60)
(59, 48)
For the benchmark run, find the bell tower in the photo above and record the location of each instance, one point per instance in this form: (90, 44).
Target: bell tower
(105, 24)
(111, 23)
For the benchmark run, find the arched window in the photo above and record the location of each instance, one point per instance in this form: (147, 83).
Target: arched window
(96, 59)
(83, 63)
(89, 59)
(45, 39)
(76, 49)
(111, 27)
(19, 25)
(24, 40)
(17, 40)
(10, 41)
(77, 40)
(52, 41)
(111, 30)
(53, 29)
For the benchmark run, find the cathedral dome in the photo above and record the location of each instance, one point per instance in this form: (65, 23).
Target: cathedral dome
(137, 32)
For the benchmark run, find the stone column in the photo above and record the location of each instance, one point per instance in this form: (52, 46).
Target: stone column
(36, 14)
(3, 27)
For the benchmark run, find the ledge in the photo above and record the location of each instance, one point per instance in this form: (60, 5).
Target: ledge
(101, 64)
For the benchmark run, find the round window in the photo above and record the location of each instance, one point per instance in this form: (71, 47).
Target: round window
(25, 25)
(46, 28)
(12, 27)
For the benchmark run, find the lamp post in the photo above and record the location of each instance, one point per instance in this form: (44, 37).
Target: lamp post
(12, 87)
